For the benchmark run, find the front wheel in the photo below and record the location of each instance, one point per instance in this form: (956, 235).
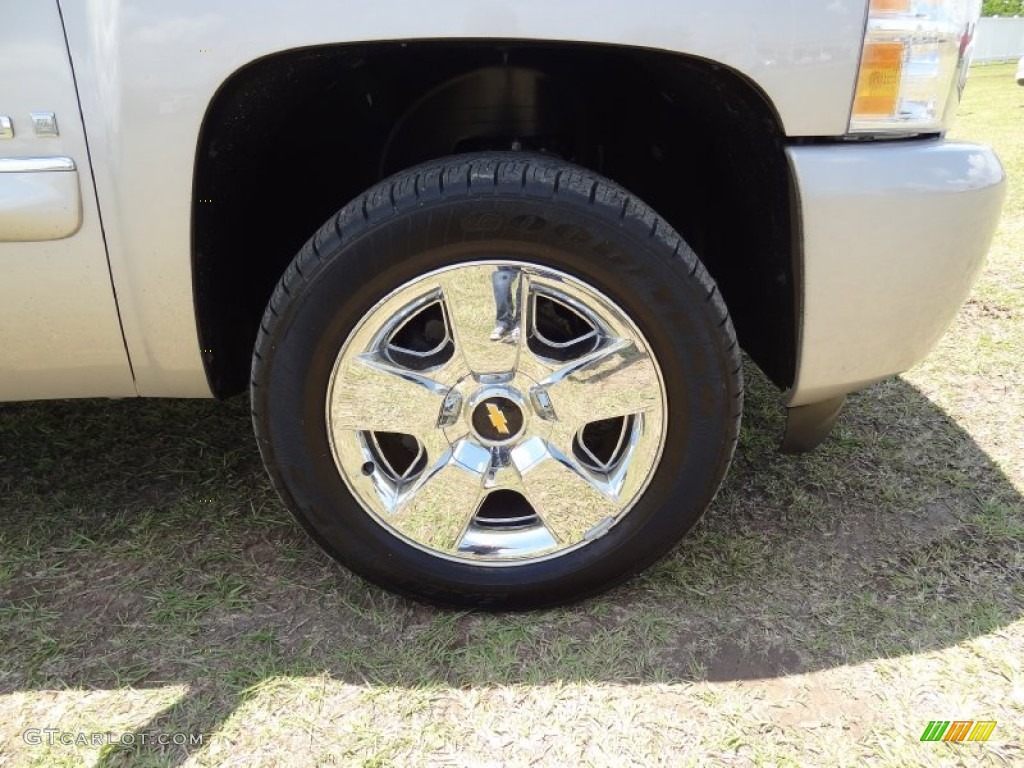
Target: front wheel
(496, 381)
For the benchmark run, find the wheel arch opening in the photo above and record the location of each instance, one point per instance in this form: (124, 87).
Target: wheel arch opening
(290, 138)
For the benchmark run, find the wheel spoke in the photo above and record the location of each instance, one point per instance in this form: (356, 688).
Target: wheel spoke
(479, 300)
(571, 503)
(618, 379)
(438, 508)
(372, 394)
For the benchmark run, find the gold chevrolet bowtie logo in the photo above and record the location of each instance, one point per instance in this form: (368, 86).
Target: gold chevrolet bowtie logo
(497, 419)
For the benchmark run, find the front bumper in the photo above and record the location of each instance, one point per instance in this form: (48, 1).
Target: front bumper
(893, 236)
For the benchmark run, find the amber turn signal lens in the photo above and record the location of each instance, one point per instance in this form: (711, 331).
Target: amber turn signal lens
(878, 87)
(890, 6)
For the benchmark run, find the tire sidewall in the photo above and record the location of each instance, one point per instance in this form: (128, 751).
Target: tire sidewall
(644, 273)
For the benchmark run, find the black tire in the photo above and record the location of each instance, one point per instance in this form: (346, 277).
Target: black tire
(544, 212)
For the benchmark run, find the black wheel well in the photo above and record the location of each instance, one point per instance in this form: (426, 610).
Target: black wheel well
(290, 138)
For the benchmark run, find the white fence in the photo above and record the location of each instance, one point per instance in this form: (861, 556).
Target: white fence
(999, 39)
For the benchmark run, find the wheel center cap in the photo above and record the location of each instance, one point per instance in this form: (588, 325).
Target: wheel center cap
(497, 419)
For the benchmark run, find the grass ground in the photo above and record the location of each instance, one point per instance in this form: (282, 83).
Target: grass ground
(829, 606)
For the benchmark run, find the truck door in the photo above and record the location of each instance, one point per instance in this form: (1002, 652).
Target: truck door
(59, 330)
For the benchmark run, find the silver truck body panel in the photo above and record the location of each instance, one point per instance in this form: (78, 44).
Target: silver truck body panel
(147, 71)
(59, 331)
(892, 233)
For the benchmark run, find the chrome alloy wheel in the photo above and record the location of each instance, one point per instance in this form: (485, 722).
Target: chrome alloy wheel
(496, 413)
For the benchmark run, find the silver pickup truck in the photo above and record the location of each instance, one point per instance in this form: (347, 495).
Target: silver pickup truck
(486, 268)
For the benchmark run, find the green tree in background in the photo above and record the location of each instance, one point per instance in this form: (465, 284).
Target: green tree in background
(1002, 8)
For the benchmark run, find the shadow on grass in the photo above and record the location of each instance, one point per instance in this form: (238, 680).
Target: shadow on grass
(142, 546)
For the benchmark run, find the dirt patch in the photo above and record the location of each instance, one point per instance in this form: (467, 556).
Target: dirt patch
(976, 309)
(732, 662)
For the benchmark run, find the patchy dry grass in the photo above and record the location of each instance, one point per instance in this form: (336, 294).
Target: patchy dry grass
(829, 606)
